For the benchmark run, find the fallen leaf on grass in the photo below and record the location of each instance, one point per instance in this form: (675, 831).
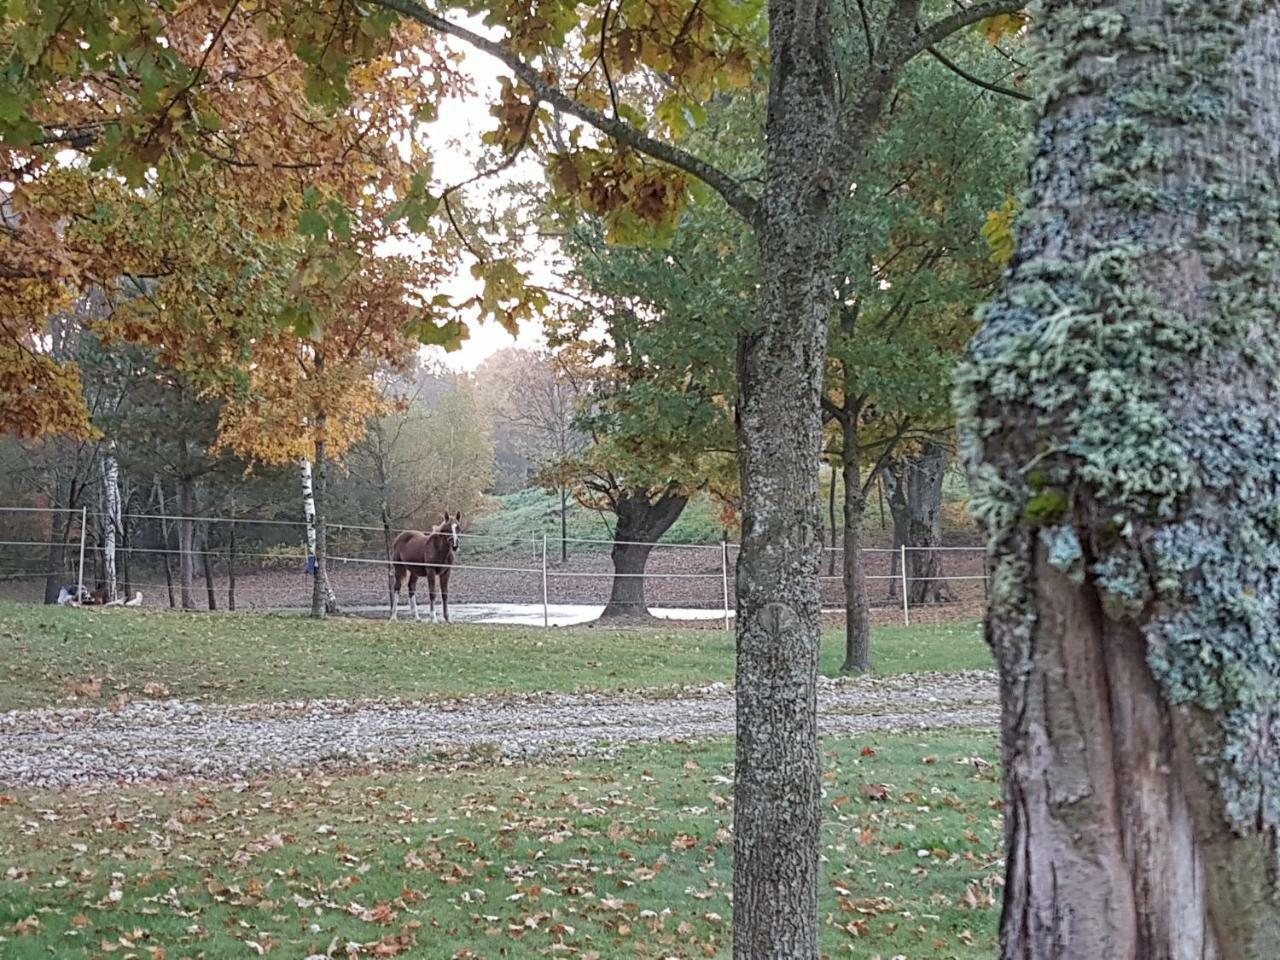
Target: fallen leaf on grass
(874, 791)
(976, 898)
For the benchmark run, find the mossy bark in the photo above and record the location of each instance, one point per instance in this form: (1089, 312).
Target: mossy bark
(777, 789)
(1120, 416)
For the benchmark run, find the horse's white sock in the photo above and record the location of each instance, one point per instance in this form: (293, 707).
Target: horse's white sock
(395, 602)
(413, 605)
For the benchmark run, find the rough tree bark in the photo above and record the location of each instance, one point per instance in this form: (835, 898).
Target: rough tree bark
(1121, 412)
(925, 475)
(776, 810)
(915, 502)
(641, 522)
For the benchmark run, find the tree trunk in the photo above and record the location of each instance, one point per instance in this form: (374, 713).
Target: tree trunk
(641, 522)
(895, 475)
(207, 563)
(186, 541)
(777, 785)
(110, 521)
(56, 565)
(323, 600)
(857, 615)
(831, 518)
(387, 541)
(231, 561)
(564, 525)
(164, 541)
(1120, 412)
(924, 526)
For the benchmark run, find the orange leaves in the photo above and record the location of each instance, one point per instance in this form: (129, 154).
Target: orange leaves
(38, 395)
(638, 200)
(1003, 25)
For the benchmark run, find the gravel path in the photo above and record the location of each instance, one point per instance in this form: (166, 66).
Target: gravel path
(171, 739)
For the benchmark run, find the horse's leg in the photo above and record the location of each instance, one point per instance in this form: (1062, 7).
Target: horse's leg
(444, 592)
(413, 594)
(432, 575)
(397, 581)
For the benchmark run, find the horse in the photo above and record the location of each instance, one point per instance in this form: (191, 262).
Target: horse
(416, 554)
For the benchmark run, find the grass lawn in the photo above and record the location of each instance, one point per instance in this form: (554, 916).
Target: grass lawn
(47, 654)
(628, 857)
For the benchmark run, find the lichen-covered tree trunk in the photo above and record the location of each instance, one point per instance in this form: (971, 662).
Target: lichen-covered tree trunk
(1121, 417)
(857, 615)
(641, 522)
(777, 787)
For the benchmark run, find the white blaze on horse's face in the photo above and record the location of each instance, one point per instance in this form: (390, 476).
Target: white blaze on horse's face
(453, 534)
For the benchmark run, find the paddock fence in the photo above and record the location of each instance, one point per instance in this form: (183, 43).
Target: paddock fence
(248, 563)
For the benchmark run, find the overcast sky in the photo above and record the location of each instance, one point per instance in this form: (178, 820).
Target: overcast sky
(454, 137)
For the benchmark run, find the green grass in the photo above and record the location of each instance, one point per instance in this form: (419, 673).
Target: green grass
(519, 518)
(622, 858)
(242, 657)
(528, 515)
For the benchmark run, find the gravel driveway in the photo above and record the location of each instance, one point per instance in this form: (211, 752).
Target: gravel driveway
(170, 739)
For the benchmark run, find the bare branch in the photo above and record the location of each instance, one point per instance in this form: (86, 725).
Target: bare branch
(939, 30)
(977, 81)
(738, 199)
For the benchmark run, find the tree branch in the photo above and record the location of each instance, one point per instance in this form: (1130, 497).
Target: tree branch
(939, 30)
(977, 81)
(738, 199)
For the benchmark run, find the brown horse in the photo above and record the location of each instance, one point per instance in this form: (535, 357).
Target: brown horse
(416, 554)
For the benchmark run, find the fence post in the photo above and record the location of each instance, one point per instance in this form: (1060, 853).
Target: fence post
(906, 613)
(724, 575)
(546, 618)
(84, 529)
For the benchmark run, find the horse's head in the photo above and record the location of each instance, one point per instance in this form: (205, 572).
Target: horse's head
(452, 528)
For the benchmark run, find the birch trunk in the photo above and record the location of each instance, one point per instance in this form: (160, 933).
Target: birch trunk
(111, 523)
(1121, 416)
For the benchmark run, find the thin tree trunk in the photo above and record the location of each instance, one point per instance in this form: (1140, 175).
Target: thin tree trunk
(895, 476)
(126, 583)
(231, 561)
(323, 600)
(641, 522)
(110, 521)
(564, 525)
(387, 541)
(164, 541)
(56, 564)
(777, 784)
(207, 564)
(1121, 412)
(857, 615)
(186, 541)
(831, 520)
